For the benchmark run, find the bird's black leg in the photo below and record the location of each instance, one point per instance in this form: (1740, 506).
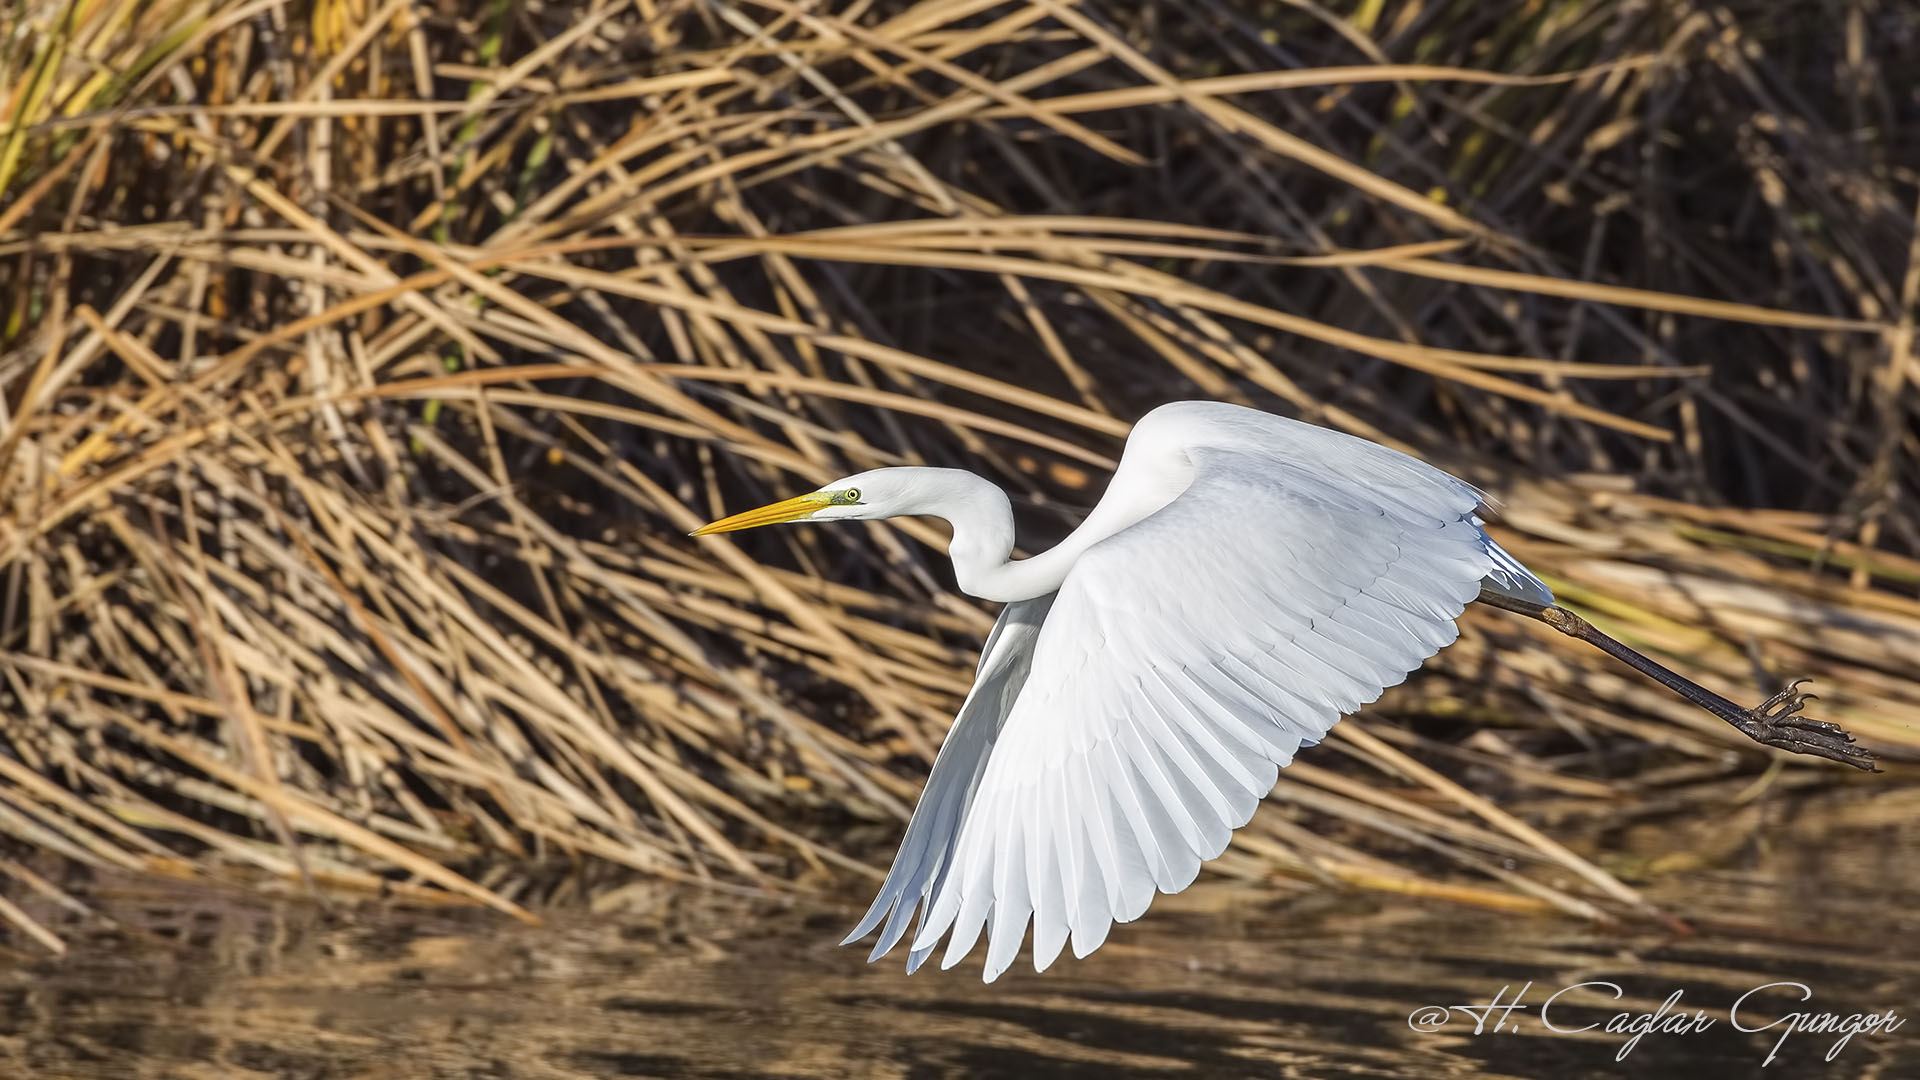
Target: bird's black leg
(1774, 722)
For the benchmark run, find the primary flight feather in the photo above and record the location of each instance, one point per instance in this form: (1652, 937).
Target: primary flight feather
(1245, 582)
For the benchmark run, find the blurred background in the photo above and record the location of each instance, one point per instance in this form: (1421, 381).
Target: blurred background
(363, 365)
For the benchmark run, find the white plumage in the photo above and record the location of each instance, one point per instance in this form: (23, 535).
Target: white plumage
(1245, 582)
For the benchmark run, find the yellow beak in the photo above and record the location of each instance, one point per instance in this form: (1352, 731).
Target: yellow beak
(800, 506)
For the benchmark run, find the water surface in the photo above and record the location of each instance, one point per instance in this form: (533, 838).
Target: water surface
(1225, 981)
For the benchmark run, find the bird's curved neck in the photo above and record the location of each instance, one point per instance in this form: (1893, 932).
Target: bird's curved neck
(982, 548)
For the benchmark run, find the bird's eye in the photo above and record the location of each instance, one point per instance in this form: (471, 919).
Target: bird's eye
(851, 495)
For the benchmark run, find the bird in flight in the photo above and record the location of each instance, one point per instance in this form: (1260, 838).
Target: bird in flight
(1245, 582)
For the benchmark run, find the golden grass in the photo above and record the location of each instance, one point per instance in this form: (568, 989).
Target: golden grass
(364, 370)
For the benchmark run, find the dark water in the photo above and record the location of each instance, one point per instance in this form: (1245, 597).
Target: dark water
(1222, 982)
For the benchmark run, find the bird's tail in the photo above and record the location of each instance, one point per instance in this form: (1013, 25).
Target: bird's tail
(1510, 577)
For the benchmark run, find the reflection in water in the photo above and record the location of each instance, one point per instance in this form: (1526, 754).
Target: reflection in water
(1221, 982)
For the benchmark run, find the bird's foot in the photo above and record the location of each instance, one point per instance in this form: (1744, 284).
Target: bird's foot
(1777, 722)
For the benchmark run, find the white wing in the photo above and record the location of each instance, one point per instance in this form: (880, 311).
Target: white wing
(922, 863)
(1184, 659)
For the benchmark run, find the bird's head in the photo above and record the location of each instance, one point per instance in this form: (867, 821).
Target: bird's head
(877, 493)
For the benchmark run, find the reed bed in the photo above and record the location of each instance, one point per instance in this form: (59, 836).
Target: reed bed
(366, 363)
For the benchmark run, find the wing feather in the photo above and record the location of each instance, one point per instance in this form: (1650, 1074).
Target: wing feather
(925, 857)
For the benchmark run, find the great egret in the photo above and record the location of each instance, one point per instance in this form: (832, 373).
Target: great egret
(1245, 582)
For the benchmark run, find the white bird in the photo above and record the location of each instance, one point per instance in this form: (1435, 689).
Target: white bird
(1246, 581)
